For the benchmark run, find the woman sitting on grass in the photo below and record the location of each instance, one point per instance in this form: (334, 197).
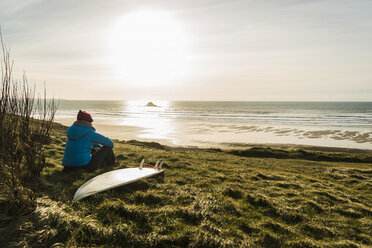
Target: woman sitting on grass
(81, 140)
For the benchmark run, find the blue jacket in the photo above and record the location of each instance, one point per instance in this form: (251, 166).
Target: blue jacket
(80, 141)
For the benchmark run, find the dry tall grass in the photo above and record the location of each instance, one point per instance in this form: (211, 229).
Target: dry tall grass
(25, 125)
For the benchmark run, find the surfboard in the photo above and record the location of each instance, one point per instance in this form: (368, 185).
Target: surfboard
(116, 178)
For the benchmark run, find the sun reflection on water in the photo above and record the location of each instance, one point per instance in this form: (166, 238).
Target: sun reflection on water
(154, 121)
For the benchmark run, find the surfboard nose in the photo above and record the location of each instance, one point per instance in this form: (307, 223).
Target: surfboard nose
(76, 197)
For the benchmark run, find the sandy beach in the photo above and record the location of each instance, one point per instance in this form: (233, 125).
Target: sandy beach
(199, 134)
(215, 124)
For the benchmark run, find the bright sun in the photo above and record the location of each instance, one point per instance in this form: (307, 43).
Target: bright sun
(149, 48)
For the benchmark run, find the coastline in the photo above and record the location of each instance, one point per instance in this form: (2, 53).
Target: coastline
(216, 124)
(196, 134)
(304, 147)
(111, 131)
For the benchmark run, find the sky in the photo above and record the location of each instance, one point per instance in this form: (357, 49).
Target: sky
(213, 50)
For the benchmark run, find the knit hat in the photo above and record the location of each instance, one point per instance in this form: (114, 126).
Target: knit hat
(84, 116)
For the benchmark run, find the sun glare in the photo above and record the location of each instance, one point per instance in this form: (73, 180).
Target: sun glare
(149, 48)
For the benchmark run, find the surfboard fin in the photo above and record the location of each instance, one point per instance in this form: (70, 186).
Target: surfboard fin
(157, 163)
(141, 164)
(161, 164)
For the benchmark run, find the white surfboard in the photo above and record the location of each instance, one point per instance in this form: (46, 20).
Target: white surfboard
(114, 179)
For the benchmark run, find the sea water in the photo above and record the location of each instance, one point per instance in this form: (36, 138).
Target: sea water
(204, 123)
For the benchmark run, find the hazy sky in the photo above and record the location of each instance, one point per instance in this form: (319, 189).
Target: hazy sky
(193, 50)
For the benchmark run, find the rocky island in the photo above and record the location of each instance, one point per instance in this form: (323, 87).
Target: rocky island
(151, 104)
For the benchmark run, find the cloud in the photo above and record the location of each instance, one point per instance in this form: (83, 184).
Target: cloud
(265, 45)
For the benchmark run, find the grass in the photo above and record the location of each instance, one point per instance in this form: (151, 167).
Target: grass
(205, 198)
(268, 152)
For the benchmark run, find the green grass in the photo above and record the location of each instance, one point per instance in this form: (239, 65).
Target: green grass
(268, 152)
(205, 198)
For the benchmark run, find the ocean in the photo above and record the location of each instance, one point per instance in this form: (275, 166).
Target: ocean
(210, 124)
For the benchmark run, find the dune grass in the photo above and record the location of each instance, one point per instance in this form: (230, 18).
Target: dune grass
(205, 198)
(268, 152)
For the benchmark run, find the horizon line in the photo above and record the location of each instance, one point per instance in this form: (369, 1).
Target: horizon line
(123, 100)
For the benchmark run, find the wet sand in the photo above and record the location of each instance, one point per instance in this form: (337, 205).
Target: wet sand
(226, 135)
(358, 137)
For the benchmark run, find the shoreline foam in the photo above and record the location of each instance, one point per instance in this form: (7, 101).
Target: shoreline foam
(228, 145)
